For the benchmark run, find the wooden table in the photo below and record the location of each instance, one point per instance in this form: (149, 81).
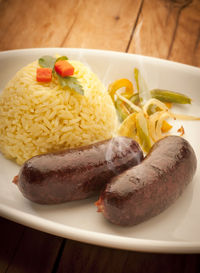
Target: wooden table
(160, 28)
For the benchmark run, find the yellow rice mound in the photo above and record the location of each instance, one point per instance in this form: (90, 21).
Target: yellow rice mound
(38, 117)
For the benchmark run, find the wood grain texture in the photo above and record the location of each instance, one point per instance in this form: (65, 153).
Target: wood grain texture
(78, 257)
(27, 24)
(170, 30)
(100, 24)
(28, 250)
(24, 250)
(103, 24)
(186, 42)
(10, 238)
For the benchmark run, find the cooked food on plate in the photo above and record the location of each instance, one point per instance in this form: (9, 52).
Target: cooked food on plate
(76, 173)
(75, 139)
(144, 114)
(147, 189)
(42, 111)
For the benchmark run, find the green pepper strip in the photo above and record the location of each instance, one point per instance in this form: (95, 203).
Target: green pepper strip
(170, 96)
(122, 110)
(142, 88)
(135, 99)
(136, 76)
(128, 127)
(143, 132)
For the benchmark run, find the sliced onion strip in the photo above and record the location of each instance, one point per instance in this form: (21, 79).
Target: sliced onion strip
(159, 123)
(132, 105)
(152, 124)
(156, 102)
(183, 117)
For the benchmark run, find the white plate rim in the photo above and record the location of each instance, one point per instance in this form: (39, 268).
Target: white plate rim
(95, 238)
(92, 237)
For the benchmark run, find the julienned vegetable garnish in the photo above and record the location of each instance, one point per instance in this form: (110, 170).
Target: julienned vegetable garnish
(61, 69)
(169, 96)
(143, 113)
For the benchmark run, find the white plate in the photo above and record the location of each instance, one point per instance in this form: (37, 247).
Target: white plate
(176, 230)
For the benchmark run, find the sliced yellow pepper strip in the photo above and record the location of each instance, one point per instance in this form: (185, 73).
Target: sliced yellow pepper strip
(159, 125)
(113, 87)
(166, 127)
(143, 131)
(168, 104)
(128, 127)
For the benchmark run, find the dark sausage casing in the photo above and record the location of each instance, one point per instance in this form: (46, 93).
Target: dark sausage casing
(76, 173)
(150, 187)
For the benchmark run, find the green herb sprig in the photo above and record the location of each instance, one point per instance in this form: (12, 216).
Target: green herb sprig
(69, 81)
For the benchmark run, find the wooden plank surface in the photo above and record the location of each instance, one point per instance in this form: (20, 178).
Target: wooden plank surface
(168, 29)
(161, 28)
(79, 257)
(103, 24)
(9, 244)
(26, 250)
(27, 24)
(100, 24)
(187, 34)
